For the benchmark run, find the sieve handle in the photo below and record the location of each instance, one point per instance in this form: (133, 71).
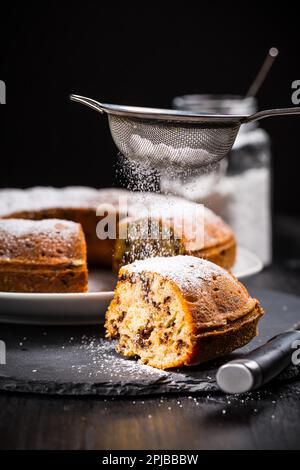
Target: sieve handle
(88, 102)
(272, 112)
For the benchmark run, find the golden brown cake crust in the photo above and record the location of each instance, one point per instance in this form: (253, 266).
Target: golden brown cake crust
(42, 256)
(197, 232)
(223, 255)
(212, 312)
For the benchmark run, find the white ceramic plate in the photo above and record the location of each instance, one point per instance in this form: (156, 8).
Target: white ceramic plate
(90, 307)
(247, 264)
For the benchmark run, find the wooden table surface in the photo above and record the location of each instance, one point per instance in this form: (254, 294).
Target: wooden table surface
(268, 419)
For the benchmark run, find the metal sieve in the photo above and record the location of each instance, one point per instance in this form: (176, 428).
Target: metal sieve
(162, 138)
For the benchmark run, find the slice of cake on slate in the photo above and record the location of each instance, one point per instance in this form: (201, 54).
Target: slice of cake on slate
(181, 310)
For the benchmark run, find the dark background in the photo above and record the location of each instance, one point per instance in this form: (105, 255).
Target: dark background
(136, 55)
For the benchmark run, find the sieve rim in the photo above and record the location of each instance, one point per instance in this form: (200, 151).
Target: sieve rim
(159, 114)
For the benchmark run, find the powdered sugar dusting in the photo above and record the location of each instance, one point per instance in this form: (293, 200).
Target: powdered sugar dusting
(187, 213)
(34, 238)
(187, 272)
(104, 359)
(43, 198)
(52, 227)
(39, 198)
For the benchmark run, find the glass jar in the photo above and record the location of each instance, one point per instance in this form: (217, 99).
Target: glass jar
(239, 188)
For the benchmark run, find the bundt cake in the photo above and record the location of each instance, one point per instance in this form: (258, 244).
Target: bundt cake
(180, 310)
(42, 256)
(80, 205)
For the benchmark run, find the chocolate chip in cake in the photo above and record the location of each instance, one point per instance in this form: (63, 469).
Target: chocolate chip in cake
(121, 316)
(192, 298)
(180, 344)
(164, 338)
(145, 333)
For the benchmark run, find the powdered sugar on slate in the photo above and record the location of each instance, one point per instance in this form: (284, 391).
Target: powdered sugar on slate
(104, 359)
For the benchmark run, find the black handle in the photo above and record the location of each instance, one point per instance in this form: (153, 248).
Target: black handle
(274, 356)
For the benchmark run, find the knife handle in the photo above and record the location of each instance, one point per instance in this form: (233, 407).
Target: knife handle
(259, 366)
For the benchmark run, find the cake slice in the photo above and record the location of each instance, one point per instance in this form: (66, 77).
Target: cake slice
(181, 310)
(42, 256)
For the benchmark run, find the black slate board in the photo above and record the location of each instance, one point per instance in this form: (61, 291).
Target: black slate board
(79, 361)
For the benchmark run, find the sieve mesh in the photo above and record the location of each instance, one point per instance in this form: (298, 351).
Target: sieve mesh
(163, 143)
